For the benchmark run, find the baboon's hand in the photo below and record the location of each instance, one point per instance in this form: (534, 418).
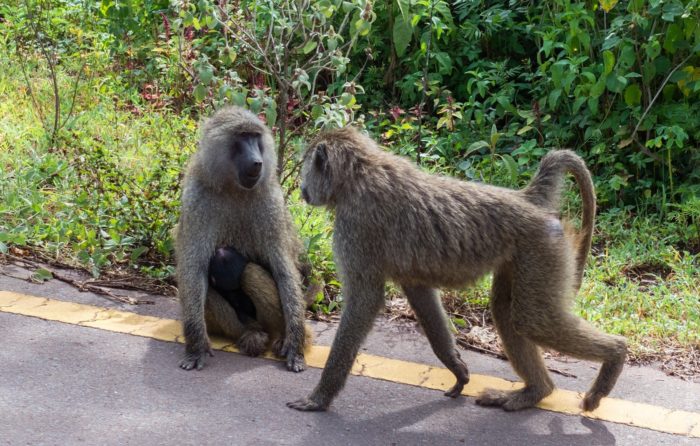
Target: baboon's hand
(195, 360)
(307, 405)
(591, 401)
(295, 355)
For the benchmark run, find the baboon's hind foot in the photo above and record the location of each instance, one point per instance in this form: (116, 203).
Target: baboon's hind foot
(513, 400)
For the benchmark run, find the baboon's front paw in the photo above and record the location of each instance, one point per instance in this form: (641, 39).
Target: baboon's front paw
(294, 354)
(491, 397)
(591, 401)
(462, 376)
(307, 405)
(253, 342)
(456, 390)
(296, 362)
(194, 360)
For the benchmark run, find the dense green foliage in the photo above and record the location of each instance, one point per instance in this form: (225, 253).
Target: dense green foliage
(99, 104)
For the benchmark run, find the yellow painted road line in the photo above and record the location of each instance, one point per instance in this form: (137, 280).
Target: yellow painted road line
(563, 401)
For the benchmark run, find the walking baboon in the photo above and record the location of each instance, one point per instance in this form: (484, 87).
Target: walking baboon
(395, 222)
(231, 197)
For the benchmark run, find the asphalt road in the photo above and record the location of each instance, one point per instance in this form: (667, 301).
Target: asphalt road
(63, 384)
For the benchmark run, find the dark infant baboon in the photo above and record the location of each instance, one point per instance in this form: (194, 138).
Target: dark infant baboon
(231, 197)
(225, 273)
(251, 291)
(395, 222)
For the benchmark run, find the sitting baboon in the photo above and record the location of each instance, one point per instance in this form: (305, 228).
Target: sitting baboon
(395, 222)
(231, 197)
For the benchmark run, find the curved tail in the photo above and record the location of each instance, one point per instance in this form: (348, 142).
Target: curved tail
(545, 190)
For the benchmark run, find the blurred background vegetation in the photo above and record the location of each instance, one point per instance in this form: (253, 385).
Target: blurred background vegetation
(100, 102)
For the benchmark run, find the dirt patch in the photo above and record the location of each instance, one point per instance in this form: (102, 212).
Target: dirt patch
(647, 272)
(675, 360)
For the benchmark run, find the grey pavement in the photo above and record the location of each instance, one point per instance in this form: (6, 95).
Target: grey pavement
(62, 384)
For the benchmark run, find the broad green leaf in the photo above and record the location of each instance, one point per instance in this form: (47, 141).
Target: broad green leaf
(648, 72)
(138, 252)
(478, 145)
(511, 166)
(609, 61)
(206, 75)
(593, 105)
(674, 35)
(633, 95)
(309, 47)
(332, 44)
(627, 57)
(610, 42)
(444, 61)
(590, 77)
(615, 83)
(42, 275)
(347, 99)
(255, 104)
(553, 98)
(271, 115)
(672, 10)
(200, 92)
(459, 322)
(598, 88)
(524, 130)
(348, 6)
(653, 49)
(557, 71)
(231, 55)
(238, 99)
(404, 5)
(316, 111)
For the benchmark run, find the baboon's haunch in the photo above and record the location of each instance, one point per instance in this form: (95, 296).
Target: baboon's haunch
(231, 198)
(395, 222)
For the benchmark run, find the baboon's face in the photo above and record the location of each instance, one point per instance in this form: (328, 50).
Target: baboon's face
(246, 155)
(238, 159)
(316, 176)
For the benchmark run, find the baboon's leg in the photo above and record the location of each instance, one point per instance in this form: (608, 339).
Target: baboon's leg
(541, 314)
(222, 318)
(522, 353)
(363, 299)
(575, 337)
(431, 315)
(288, 280)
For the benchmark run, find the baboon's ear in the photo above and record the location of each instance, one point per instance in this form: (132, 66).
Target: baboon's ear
(321, 156)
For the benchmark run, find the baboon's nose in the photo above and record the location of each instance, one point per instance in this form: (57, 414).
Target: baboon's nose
(254, 169)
